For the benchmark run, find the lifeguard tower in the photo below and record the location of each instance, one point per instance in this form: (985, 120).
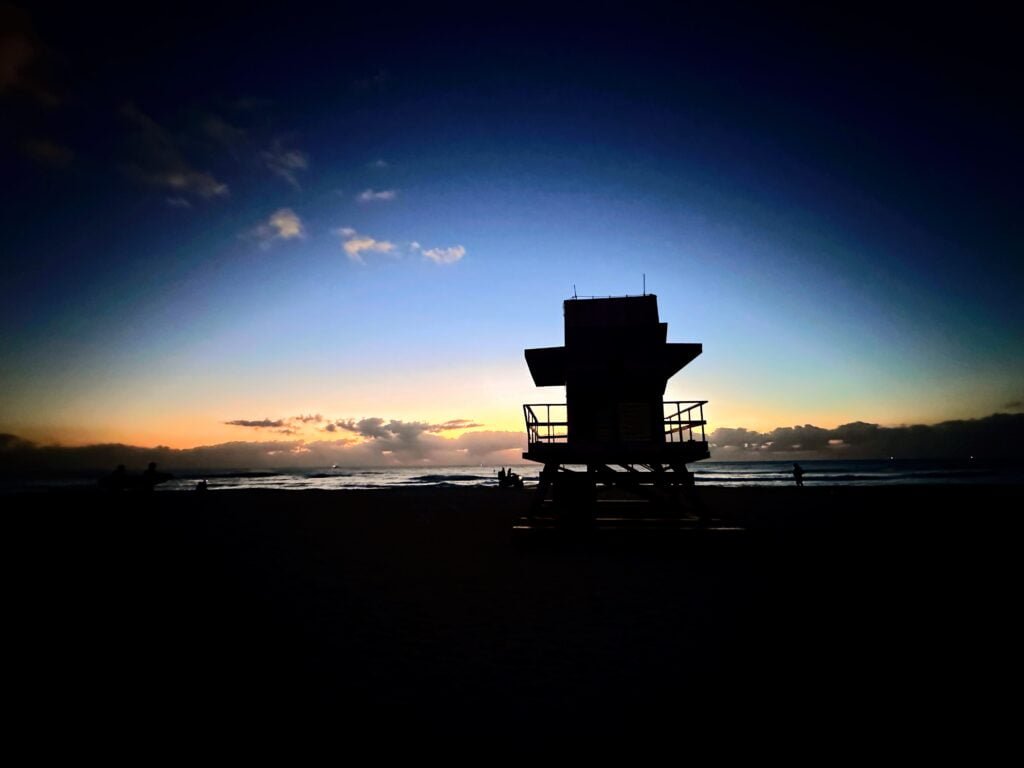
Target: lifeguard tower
(614, 429)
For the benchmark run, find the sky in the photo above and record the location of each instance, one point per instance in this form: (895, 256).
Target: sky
(338, 230)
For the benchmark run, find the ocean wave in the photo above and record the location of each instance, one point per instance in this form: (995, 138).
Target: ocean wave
(440, 479)
(227, 475)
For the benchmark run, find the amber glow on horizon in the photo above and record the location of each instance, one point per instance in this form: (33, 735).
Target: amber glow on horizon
(192, 430)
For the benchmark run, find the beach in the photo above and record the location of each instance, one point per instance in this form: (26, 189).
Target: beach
(425, 602)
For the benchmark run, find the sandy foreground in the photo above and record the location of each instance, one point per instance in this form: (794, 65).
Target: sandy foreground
(424, 602)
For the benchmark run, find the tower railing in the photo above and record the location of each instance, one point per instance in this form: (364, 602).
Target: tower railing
(548, 423)
(547, 430)
(682, 421)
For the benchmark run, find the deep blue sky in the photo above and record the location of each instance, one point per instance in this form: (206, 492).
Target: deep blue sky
(828, 201)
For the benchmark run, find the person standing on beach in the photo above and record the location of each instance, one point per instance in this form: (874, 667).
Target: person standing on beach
(798, 475)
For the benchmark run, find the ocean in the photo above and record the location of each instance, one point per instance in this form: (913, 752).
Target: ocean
(716, 473)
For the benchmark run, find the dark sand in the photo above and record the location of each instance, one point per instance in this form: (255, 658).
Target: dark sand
(422, 602)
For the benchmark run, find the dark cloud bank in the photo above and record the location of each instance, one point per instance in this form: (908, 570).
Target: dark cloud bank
(995, 436)
(376, 442)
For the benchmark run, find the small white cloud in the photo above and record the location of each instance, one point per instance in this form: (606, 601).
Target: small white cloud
(283, 224)
(445, 255)
(178, 202)
(370, 196)
(355, 244)
(414, 246)
(287, 224)
(380, 164)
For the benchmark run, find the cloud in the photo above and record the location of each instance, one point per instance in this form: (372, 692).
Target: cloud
(23, 58)
(285, 162)
(160, 162)
(445, 255)
(992, 436)
(251, 103)
(1014, 405)
(375, 82)
(223, 132)
(454, 424)
(178, 202)
(371, 441)
(379, 164)
(283, 224)
(287, 426)
(355, 245)
(49, 153)
(413, 442)
(369, 195)
(258, 424)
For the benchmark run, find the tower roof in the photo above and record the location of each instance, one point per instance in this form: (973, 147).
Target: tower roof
(607, 340)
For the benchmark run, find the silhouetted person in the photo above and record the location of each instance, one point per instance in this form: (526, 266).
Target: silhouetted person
(501, 476)
(201, 485)
(798, 474)
(116, 480)
(151, 478)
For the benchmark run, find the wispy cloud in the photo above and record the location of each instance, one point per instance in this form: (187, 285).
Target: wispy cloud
(222, 132)
(23, 58)
(283, 224)
(444, 255)
(289, 426)
(285, 163)
(250, 103)
(379, 164)
(375, 82)
(355, 244)
(178, 202)
(161, 163)
(370, 196)
(455, 424)
(49, 153)
(257, 423)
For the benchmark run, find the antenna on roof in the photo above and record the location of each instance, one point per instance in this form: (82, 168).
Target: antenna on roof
(574, 290)
(645, 283)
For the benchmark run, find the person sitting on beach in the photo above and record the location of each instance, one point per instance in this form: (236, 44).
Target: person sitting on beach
(798, 475)
(501, 476)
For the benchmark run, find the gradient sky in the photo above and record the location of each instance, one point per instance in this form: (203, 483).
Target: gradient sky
(213, 216)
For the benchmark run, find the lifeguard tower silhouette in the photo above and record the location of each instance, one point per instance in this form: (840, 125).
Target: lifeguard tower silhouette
(614, 429)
